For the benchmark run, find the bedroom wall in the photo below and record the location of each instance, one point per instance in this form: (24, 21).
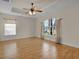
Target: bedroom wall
(69, 11)
(25, 27)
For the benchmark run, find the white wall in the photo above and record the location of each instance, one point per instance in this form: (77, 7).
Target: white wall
(25, 28)
(69, 11)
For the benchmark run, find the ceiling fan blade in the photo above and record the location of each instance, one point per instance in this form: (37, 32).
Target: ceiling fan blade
(38, 10)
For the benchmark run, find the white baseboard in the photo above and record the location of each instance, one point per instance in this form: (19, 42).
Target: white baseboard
(72, 43)
(16, 37)
(69, 42)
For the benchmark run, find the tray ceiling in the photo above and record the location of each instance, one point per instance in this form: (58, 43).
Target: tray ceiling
(26, 3)
(5, 6)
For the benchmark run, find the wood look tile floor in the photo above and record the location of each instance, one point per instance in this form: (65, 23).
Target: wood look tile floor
(35, 48)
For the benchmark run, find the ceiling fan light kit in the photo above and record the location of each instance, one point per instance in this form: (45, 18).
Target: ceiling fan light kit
(32, 13)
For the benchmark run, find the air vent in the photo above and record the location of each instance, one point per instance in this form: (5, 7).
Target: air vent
(6, 0)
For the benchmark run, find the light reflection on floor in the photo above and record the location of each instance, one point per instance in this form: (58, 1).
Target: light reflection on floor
(49, 50)
(10, 51)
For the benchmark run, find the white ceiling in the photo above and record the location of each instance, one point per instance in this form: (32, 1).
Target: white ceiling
(5, 7)
(26, 3)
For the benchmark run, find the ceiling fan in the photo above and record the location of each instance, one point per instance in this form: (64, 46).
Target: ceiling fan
(32, 11)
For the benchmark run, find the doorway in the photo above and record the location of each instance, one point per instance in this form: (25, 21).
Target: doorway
(50, 29)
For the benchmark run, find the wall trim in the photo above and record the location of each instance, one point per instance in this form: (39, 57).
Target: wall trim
(72, 43)
(16, 38)
(68, 42)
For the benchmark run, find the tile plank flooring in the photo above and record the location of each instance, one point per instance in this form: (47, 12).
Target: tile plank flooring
(35, 48)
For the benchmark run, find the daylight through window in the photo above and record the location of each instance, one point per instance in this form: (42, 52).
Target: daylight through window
(10, 29)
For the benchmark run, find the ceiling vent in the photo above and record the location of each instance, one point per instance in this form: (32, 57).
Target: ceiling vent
(6, 0)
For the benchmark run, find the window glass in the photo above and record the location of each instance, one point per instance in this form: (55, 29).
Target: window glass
(10, 29)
